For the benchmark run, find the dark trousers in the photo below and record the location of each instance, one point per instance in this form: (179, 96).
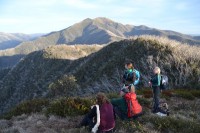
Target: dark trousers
(156, 98)
(111, 131)
(123, 116)
(119, 113)
(87, 121)
(137, 115)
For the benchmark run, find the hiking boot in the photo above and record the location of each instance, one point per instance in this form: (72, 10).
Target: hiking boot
(168, 113)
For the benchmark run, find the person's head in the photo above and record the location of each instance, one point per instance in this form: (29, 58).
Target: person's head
(101, 98)
(129, 65)
(156, 70)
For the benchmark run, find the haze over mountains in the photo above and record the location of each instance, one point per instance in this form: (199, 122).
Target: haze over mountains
(11, 40)
(88, 31)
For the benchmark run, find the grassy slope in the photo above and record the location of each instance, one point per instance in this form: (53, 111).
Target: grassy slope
(100, 71)
(63, 114)
(179, 62)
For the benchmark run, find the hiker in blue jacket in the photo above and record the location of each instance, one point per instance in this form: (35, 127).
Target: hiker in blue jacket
(131, 76)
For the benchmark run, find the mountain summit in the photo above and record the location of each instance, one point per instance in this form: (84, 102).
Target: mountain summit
(89, 31)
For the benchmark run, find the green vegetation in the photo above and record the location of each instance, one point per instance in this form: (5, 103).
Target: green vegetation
(75, 106)
(4, 72)
(113, 95)
(27, 107)
(129, 126)
(144, 102)
(195, 93)
(70, 106)
(61, 107)
(167, 93)
(189, 94)
(62, 86)
(186, 95)
(170, 124)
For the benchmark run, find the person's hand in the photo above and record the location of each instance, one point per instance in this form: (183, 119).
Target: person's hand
(92, 106)
(150, 84)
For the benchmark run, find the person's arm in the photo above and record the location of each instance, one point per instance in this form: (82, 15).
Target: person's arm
(92, 112)
(95, 128)
(115, 101)
(134, 78)
(159, 79)
(124, 77)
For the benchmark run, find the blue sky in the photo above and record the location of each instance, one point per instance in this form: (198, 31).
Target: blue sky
(43, 16)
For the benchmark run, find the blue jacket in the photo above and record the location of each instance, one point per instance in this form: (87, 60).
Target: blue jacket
(133, 79)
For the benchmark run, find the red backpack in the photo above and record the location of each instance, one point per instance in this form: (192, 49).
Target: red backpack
(133, 106)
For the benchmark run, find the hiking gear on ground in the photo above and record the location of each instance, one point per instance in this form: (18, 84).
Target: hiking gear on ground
(164, 108)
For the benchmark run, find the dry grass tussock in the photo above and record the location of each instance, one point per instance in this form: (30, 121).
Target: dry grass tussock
(70, 51)
(38, 123)
(182, 50)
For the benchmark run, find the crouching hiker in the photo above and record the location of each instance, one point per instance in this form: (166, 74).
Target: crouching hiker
(101, 117)
(127, 106)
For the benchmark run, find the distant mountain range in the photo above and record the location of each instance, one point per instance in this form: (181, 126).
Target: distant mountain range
(97, 68)
(197, 37)
(88, 31)
(11, 40)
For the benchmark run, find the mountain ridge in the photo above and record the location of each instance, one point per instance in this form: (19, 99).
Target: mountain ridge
(90, 31)
(98, 68)
(11, 40)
